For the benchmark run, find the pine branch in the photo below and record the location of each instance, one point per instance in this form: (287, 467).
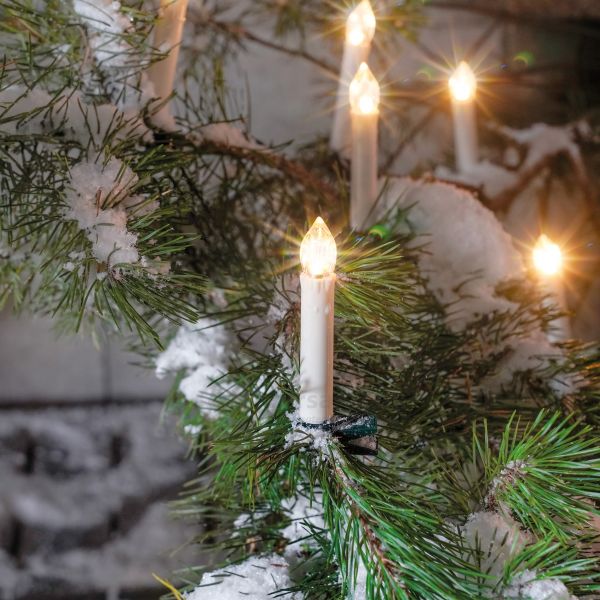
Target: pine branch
(546, 476)
(374, 520)
(325, 195)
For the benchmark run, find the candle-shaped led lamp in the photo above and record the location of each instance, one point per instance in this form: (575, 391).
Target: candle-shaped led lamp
(167, 38)
(463, 86)
(364, 102)
(360, 29)
(318, 254)
(547, 259)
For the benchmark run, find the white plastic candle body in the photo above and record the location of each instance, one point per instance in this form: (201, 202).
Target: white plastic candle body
(167, 38)
(360, 29)
(318, 254)
(548, 262)
(340, 131)
(465, 135)
(363, 186)
(463, 85)
(364, 101)
(316, 347)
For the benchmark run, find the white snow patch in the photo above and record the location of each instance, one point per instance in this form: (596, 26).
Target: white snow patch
(526, 586)
(304, 514)
(92, 187)
(229, 135)
(257, 578)
(155, 266)
(203, 350)
(466, 247)
(495, 538)
(24, 111)
(242, 520)
(491, 178)
(194, 344)
(192, 430)
(525, 354)
(118, 60)
(301, 433)
(546, 140)
(532, 353)
(540, 141)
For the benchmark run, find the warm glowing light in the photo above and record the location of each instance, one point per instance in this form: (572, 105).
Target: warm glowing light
(360, 26)
(463, 83)
(364, 92)
(547, 256)
(318, 250)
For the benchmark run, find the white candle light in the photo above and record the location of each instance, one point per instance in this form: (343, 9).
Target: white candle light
(463, 85)
(548, 261)
(364, 101)
(317, 256)
(167, 38)
(360, 29)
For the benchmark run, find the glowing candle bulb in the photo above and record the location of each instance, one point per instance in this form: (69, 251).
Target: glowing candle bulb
(547, 259)
(360, 29)
(463, 85)
(360, 25)
(318, 251)
(318, 254)
(364, 101)
(364, 91)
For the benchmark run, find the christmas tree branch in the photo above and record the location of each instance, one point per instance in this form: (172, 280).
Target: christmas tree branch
(327, 196)
(552, 469)
(373, 518)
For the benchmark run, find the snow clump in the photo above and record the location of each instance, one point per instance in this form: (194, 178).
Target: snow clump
(257, 578)
(202, 350)
(97, 198)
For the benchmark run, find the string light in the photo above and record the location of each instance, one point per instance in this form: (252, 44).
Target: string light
(318, 251)
(360, 25)
(364, 92)
(463, 83)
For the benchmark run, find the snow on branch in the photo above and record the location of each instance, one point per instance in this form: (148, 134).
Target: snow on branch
(303, 513)
(530, 504)
(98, 197)
(495, 540)
(227, 134)
(467, 252)
(537, 146)
(527, 585)
(257, 578)
(467, 256)
(541, 141)
(119, 62)
(203, 352)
